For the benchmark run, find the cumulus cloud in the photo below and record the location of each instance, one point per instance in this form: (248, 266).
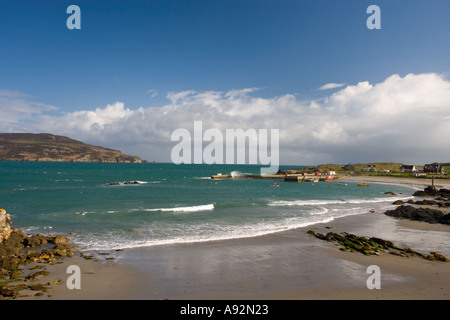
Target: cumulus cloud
(399, 119)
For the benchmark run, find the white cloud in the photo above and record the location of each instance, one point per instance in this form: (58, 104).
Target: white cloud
(331, 85)
(399, 119)
(16, 107)
(152, 92)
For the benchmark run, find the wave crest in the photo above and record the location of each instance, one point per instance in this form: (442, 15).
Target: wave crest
(205, 207)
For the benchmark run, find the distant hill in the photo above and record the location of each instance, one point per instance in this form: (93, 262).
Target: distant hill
(49, 147)
(391, 166)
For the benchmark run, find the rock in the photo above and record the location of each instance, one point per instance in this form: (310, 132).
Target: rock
(131, 182)
(431, 191)
(426, 202)
(10, 262)
(418, 214)
(5, 225)
(16, 239)
(37, 287)
(390, 193)
(316, 234)
(445, 219)
(36, 240)
(17, 249)
(33, 276)
(398, 202)
(385, 243)
(373, 246)
(8, 291)
(60, 239)
(437, 256)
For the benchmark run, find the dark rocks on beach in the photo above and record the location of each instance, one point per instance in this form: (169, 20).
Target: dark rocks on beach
(429, 215)
(419, 214)
(18, 249)
(432, 191)
(36, 240)
(427, 202)
(373, 245)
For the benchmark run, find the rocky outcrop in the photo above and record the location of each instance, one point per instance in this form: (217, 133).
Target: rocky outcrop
(5, 225)
(373, 245)
(432, 191)
(419, 214)
(18, 249)
(48, 147)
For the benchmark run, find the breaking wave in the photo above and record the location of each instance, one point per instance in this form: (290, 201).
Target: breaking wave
(206, 207)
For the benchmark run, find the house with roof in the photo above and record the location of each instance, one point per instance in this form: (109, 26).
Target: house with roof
(369, 168)
(433, 168)
(408, 168)
(349, 167)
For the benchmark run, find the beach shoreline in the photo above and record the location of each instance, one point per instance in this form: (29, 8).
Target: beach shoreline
(286, 265)
(418, 183)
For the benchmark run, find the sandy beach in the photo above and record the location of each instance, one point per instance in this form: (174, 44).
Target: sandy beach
(419, 183)
(286, 265)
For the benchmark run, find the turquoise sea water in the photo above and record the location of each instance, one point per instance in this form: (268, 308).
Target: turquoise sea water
(171, 203)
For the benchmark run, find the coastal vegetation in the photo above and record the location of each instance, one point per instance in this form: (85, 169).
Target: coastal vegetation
(383, 169)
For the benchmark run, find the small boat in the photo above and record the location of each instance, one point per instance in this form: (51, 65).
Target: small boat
(363, 184)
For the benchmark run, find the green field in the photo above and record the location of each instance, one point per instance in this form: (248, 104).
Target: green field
(393, 167)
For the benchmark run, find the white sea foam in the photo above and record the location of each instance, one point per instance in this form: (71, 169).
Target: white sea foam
(236, 174)
(206, 207)
(130, 183)
(199, 233)
(330, 201)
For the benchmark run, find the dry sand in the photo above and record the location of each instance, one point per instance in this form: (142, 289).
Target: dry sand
(412, 182)
(286, 265)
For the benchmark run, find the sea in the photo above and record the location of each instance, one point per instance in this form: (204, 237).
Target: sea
(97, 207)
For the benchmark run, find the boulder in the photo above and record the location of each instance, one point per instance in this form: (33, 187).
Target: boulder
(16, 239)
(418, 214)
(36, 240)
(432, 191)
(8, 291)
(445, 219)
(60, 239)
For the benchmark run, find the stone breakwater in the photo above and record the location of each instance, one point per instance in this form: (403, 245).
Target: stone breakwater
(17, 250)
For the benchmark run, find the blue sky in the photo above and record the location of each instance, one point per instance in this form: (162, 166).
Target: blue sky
(137, 52)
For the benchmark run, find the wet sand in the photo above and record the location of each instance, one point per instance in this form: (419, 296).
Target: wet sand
(286, 265)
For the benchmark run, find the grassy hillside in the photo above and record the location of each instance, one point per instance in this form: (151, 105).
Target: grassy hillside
(48, 147)
(391, 166)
